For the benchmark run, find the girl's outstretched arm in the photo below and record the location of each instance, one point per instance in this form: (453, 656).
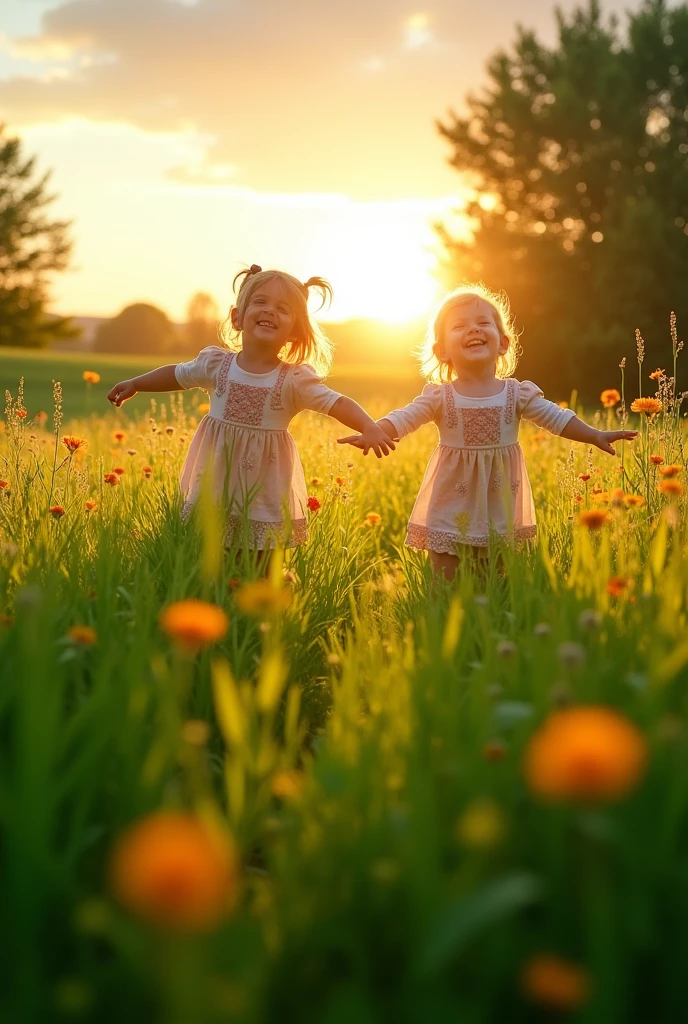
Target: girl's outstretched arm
(370, 434)
(161, 379)
(577, 430)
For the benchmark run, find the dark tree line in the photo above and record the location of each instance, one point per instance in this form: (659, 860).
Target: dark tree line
(579, 157)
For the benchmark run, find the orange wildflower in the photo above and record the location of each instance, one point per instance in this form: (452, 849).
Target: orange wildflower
(634, 500)
(494, 751)
(585, 753)
(203, 408)
(83, 635)
(90, 376)
(555, 983)
(340, 480)
(193, 624)
(313, 504)
(584, 477)
(119, 470)
(173, 871)
(656, 460)
(112, 479)
(610, 398)
(656, 374)
(649, 406)
(618, 585)
(316, 481)
(56, 511)
(91, 505)
(147, 471)
(673, 488)
(372, 519)
(73, 444)
(4, 484)
(21, 414)
(669, 471)
(287, 785)
(119, 436)
(594, 518)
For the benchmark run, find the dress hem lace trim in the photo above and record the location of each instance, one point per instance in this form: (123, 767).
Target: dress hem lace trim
(445, 543)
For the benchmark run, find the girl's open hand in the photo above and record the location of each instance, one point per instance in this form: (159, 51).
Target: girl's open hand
(607, 437)
(122, 392)
(374, 438)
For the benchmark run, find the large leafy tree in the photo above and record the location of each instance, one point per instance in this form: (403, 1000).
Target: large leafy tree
(139, 328)
(579, 157)
(32, 246)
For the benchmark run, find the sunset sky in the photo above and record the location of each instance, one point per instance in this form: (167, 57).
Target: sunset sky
(189, 139)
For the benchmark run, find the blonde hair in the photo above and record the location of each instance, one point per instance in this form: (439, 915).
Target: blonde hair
(439, 371)
(309, 342)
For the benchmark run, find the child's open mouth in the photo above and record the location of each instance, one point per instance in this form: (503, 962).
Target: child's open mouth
(267, 323)
(474, 343)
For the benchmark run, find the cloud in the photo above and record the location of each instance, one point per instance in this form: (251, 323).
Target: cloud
(293, 96)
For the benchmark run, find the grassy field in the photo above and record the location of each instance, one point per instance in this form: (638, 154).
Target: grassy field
(39, 369)
(345, 792)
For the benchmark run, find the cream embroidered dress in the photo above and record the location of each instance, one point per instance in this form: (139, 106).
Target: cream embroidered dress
(476, 481)
(245, 443)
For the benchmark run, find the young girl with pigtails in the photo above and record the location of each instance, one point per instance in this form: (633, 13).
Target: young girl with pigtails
(269, 369)
(476, 482)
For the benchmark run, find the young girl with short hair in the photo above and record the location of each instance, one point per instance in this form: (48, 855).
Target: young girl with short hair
(270, 368)
(476, 481)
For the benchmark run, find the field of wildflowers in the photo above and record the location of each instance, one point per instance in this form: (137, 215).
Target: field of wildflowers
(340, 792)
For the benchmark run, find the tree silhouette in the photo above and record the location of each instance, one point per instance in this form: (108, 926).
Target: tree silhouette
(202, 317)
(32, 246)
(579, 158)
(139, 328)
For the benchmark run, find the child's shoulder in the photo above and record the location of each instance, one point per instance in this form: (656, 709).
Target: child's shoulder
(433, 390)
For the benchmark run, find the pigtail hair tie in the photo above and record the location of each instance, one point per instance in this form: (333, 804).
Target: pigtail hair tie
(254, 269)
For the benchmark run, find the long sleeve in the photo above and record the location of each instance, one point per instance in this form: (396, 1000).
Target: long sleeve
(309, 392)
(202, 371)
(423, 409)
(532, 405)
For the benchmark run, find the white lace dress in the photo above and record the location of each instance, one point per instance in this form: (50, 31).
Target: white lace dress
(476, 481)
(245, 444)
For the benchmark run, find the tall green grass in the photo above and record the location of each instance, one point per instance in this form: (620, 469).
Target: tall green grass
(400, 708)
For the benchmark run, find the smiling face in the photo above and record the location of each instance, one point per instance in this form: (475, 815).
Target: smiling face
(470, 336)
(268, 317)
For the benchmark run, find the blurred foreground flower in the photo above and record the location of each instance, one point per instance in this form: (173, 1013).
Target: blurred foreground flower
(261, 598)
(119, 436)
(147, 472)
(193, 624)
(119, 470)
(112, 479)
(670, 471)
(618, 585)
(481, 826)
(287, 785)
(73, 444)
(83, 635)
(594, 518)
(610, 398)
(634, 500)
(4, 485)
(204, 408)
(649, 406)
(555, 983)
(90, 376)
(372, 519)
(585, 753)
(674, 488)
(173, 871)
